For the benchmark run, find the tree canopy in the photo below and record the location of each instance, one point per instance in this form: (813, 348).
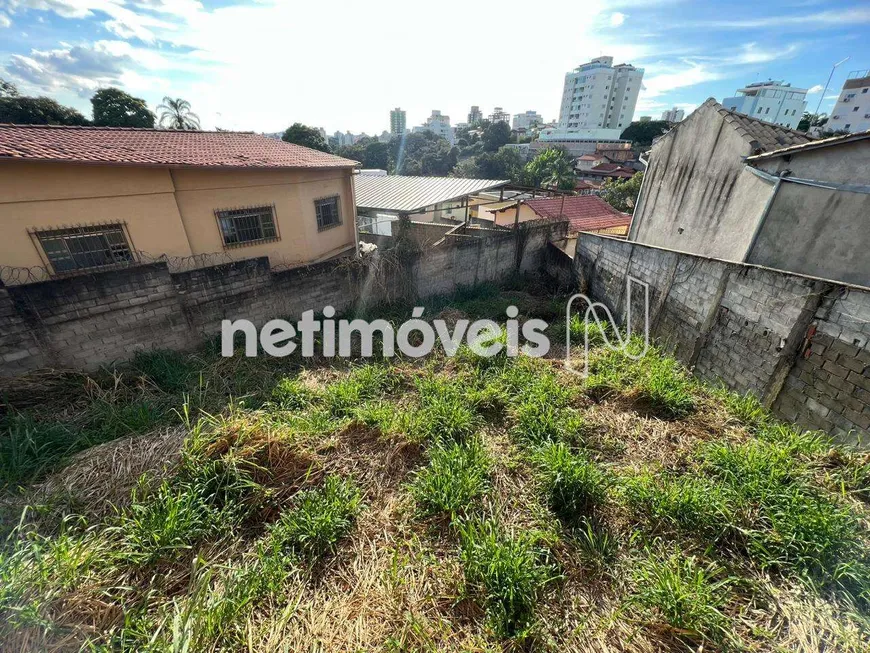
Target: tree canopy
(422, 153)
(552, 167)
(38, 111)
(643, 133)
(175, 113)
(812, 120)
(306, 136)
(495, 135)
(7, 89)
(622, 194)
(114, 108)
(369, 151)
(507, 163)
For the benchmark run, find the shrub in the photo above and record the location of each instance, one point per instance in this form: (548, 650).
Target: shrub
(573, 484)
(319, 519)
(509, 570)
(457, 474)
(686, 595)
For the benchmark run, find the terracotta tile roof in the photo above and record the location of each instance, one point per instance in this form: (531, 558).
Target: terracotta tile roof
(158, 147)
(764, 135)
(812, 145)
(583, 212)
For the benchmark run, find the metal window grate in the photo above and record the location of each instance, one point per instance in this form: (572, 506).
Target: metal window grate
(83, 248)
(328, 214)
(247, 225)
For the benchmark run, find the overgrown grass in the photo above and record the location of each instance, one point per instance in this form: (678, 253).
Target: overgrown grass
(318, 520)
(457, 475)
(509, 570)
(573, 484)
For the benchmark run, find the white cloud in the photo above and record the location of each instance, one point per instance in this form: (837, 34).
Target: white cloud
(4, 21)
(752, 53)
(617, 19)
(823, 19)
(818, 88)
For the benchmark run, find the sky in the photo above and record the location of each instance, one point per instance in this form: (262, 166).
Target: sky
(262, 65)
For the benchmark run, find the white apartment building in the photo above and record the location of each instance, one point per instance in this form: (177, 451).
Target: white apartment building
(851, 113)
(438, 124)
(527, 120)
(673, 115)
(599, 95)
(772, 101)
(475, 115)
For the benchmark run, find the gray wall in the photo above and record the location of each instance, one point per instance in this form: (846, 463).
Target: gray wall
(800, 344)
(816, 231)
(95, 319)
(696, 182)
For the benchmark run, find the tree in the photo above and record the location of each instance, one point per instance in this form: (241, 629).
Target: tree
(622, 194)
(643, 133)
(369, 151)
(114, 108)
(422, 153)
(176, 114)
(552, 167)
(507, 163)
(495, 135)
(7, 89)
(811, 120)
(38, 111)
(305, 136)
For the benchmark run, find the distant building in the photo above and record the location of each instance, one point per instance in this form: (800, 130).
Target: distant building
(599, 95)
(852, 111)
(438, 124)
(527, 120)
(397, 121)
(385, 136)
(772, 101)
(645, 119)
(343, 140)
(474, 115)
(499, 115)
(673, 115)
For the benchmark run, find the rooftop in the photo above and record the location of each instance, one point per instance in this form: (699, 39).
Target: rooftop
(764, 136)
(812, 145)
(413, 194)
(158, 147)
(583, 212)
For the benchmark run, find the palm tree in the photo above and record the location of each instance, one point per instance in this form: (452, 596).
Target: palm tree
(561, 174)
(176, 114)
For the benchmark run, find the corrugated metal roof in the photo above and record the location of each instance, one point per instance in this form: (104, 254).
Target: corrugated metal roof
(412, 194)
(812, 145)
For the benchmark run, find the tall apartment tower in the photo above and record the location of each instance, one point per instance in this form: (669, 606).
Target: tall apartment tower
(772, 101)
(673, 115)
(397, 122)
(475, 115)
(851, 113)
(499, 115)
(599, 95)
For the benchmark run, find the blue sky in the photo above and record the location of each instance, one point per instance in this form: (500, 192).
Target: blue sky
(264, 64)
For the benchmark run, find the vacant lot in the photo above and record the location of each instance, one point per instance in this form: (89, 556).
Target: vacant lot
(193, 503)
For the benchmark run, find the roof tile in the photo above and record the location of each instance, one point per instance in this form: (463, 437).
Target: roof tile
(158, 147)
(583, 212)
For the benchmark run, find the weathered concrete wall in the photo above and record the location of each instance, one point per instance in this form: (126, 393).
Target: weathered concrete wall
(697, 197)
(798, 343)
(90, 320)
(817, 231)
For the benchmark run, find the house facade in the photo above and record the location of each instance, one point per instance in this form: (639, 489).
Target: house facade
(78, 198)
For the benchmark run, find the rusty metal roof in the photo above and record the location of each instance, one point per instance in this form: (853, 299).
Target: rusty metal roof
(413, 194)
(812, 145)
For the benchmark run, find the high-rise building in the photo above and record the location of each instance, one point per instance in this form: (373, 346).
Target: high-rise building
(438, 124)
(499, 115)
(397, 121)
(527, 120)
(673, 115)
(851, 113)
(599, 95)
(475, 115)
(772, 101)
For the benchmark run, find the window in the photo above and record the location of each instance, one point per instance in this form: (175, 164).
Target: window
(85, 248)
(328, 214)
(854, 108)
(248, 225)
(847, 125)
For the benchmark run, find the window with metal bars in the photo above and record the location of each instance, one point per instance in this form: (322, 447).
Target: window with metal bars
(244, 226)
(84, 248)
(328, 214)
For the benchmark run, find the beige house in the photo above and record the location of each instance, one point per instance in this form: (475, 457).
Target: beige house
(84, 198)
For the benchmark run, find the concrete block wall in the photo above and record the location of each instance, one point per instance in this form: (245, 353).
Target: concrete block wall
(800, 344)
(86, 321)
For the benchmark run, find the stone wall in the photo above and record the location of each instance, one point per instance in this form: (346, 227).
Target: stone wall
(799, 343)
(86, 321)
